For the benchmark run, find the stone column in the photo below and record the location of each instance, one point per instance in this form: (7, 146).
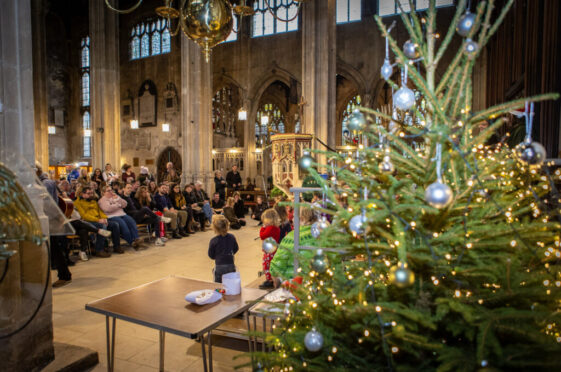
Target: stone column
(319, 70)
(31, 348)
(16, 79)
(40, 83)
(196, 115)
(105, 99)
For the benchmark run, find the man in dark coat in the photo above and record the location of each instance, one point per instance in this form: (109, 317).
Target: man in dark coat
(234, 179)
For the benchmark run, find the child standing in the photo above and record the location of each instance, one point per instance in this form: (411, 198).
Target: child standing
(222, 248)
(270, 229)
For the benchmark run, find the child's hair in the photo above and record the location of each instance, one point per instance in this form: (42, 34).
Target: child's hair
(230, 202)
(270, 217)
(307, 216)
(220, 224)
(259, 197)
(281, 211)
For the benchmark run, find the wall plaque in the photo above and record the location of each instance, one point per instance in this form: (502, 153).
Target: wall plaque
(147, 105)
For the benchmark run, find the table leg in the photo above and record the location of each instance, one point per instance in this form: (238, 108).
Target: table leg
(249, 337)
(110, 343)
(210, 351)
(264, 331)
(162, 349)
(205, 368)
(255, 338)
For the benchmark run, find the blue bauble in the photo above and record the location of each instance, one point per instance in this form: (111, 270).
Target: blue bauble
(465, 24)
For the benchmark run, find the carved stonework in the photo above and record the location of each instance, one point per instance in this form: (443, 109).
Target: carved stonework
(287, 149)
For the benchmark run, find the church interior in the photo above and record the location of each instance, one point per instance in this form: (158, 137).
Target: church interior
(131, 130)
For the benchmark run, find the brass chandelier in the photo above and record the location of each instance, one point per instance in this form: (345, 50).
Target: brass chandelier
(206, 22)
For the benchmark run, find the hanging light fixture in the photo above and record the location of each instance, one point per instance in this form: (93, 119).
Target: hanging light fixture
(134, 124)
(165, 127)
(242, 114)
(51, 129)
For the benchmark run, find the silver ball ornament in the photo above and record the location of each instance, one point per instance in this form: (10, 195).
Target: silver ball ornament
(387, 70)
(438, 195)
(471, 46)
(357, 224)
(411, 50)
(313, 340)
(530, 153)
(386, 165)
(404, 98)
(319, 264)
(357, 121)
(401, 276)
(465, 24)
(269, 245)
(305, 161)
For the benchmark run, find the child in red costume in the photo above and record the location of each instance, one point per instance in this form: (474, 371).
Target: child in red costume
(270, 229)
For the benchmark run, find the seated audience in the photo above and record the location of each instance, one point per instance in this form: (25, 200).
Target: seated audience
(234, 179)
(94, 186)
(191, 200)
(113, 206)
(222, 248)
(83, 228)
(282, 265)
(250, 186)
(164, 205)
(97, 177)
(142, 199)
(84, 179)
(180, 204)
(220, 185)
(172, 177)
(109, 175)
(203, 201)
(258, 210)
(239, 206)
(89, 210)
(217, 204)
(66, 190)
(142, 215)
(152, 187)
(128, 175)
(228, 211)
(73, 173)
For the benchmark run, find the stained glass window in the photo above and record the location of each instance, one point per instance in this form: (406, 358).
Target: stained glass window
(270, 120)
(348, 11)
(85, 45)
(347, 136)
(392, 7)
(85, 70)
(150, 38)
(86, 89)
(87, 148)
(264, 23)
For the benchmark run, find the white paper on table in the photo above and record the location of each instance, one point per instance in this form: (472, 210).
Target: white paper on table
(203, 297)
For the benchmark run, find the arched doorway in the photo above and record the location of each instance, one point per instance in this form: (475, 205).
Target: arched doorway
(169, 154)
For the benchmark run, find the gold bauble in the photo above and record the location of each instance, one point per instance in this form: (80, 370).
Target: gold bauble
(206, 22)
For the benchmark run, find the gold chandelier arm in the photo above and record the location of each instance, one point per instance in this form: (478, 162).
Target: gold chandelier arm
(280, 19)
(171, 32)
(125, 11)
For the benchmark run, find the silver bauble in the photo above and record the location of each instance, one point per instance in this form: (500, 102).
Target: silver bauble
(438, 195)
(471, 46)
(305, 161)
(357, 224)
(404, 98)
(313, 340)
(319, 263)
(465, 24)
(315, 230)
(387, 70)
(401, 276)
(357, 121)
(386, 165)
(411, 50)
(530, 153)
(269, 245)
(286, 310)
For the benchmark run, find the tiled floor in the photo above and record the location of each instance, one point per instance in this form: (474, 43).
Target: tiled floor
(137, 347)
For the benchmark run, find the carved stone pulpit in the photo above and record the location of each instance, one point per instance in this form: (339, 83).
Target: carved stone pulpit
(287, 149)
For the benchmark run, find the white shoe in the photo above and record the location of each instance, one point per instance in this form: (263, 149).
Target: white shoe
(159, 242)
(165, 219)
(105, 233)
(83, 256)
(164, 239)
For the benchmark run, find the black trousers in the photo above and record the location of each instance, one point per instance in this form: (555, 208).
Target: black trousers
(220, 270)
(145, 215)
(58, 259)
(82, 229)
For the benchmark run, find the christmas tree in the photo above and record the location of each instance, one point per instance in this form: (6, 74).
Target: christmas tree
(448, 239)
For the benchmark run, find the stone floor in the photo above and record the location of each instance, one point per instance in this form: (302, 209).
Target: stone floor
(137, 347)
